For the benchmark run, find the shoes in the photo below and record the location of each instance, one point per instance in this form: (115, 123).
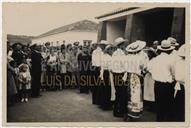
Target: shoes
(22, 100)
(26, 99)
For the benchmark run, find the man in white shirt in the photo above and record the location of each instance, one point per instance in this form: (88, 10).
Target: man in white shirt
(161, 69)
(118, 70)
(180, 77)
(96, 64)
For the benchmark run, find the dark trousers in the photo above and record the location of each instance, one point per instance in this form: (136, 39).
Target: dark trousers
(105, 91)
(179, 105)
(24, 93)
(96, 87)
(36, 84)
(120, 105)
(164, 97)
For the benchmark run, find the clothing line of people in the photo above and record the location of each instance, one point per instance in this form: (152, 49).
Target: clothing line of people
(130, 73)
(32, 68)
(138, 73)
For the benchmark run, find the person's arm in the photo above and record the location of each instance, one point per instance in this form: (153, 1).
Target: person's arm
(10, 68)
(101, 73)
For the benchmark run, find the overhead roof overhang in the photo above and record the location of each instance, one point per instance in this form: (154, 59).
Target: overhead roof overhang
(121, 13)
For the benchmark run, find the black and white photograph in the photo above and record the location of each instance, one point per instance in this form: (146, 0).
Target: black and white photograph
(95, 62)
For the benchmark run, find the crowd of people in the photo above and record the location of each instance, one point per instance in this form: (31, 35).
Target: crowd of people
(121, 76)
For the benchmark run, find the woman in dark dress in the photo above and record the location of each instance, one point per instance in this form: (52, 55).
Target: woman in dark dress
(11, 85)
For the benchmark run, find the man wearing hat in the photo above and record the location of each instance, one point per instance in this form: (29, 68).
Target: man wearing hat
(118, 70)
(161, 68)
(173, 42)
(96, 63)
(154, 46)
(105, 75)
(180, 77)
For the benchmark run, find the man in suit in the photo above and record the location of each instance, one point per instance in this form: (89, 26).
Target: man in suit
(36, 70)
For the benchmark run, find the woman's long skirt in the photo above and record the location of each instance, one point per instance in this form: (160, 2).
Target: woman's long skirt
(96, 87)
(120, 104)
(135, 102)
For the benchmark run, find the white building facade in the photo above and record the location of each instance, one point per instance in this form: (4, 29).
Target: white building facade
(82, 31)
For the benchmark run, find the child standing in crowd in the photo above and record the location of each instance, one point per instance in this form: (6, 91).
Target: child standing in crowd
(24, 81)
(63, 62)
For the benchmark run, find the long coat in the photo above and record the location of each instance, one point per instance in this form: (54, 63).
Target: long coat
(36, 73)
(11, 86)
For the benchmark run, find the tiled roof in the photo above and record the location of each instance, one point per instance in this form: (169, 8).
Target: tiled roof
(84, 25)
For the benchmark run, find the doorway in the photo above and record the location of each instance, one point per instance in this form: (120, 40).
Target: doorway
(158, 24)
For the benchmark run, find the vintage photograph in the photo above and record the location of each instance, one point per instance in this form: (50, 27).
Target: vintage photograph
(95, 62)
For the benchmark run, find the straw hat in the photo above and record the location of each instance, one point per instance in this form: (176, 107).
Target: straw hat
(136, 46)
(182, 51)
(108, 46)
(173, 41)
(165, 46)
(104, 42)
(119, 40)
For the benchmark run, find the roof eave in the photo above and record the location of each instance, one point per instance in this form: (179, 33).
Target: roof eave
(124, 13)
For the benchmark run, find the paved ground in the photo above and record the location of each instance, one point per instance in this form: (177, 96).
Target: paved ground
(64, 106)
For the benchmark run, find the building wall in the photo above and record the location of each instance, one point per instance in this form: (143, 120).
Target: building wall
(115, 29)
(149, 26)
(69, 37)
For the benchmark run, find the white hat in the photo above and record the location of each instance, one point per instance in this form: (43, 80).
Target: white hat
(104, 42)
(173, 41)
(119, 40)
(136, 46)
(165, 46)
(108, 46)
(182, 51)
